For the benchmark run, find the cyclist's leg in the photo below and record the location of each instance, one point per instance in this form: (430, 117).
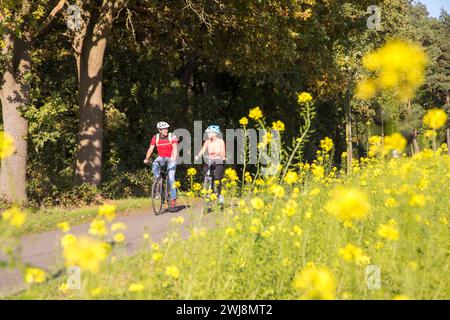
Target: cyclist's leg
(171, 168)
(218, 175)
(156, 167)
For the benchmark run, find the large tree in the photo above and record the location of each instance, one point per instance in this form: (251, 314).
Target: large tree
(89, 43)
(20, 23)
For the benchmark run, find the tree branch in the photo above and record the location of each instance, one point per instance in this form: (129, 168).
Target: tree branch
(50, 17)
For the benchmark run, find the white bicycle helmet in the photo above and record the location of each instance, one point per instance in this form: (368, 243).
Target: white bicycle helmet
(162, 125)
(213, 129)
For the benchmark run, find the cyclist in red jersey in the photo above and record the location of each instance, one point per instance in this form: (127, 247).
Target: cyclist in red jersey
(166, 146)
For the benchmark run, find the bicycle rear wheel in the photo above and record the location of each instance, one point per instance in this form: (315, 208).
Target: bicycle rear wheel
(157, 196)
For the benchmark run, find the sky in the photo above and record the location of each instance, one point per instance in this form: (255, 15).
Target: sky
(434, 6)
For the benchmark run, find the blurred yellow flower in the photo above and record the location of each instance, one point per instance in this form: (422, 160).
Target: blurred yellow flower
(86, 253)
(178, 220)
(191, 172)
(435, 118)
(395, 142)
(64, 226)
(348, 204)
(15, 217)
(157, 256)
(257, 203)
(277, 191)
(7, 147)
(389, 231)
(297, 230)
(118, 226)
(230, 232)
(399, 67)
(318, 171)
(231, 174)
(67, 240)
(400, 297)
(35, 275)
(291, 177)
(315, 283)
(366, 89)
(351, 253)
(119, 237)
(98, 227)
(172, 272)
(136, 287)
(326, 144)
(108, 211)
(196, 186)
(417, 200)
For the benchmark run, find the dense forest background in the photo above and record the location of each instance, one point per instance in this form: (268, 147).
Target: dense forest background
(187, 60)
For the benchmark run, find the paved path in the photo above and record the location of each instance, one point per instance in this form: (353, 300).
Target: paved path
(43, 250)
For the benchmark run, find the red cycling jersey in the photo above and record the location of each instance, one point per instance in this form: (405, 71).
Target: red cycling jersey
(164, 146)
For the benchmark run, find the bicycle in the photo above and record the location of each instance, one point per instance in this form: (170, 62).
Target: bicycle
(160, 191)
(209, 184)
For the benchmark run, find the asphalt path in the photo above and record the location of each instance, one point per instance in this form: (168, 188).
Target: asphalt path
(43, 249)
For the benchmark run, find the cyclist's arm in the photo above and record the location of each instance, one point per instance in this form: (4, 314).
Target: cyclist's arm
(222, 152)
(173, 156)
(203, 149)
(149, 152)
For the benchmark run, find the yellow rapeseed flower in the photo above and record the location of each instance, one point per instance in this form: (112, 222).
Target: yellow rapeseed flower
(435, 118)
(191, 172)
(351, 253)
(257, 203)
(348, 204)
(277, 191)
(291, 177)
(326, 144)
(394, 142)
(119, 237)
(231, 174)
(389, 231)
(7, 147)
(86, 253)
(136, 287)
(98, 227)
(172, 272)
(157, 256)
(366, 89)
(243, 121)
(64, 226)
(278, 125)
(15, 217)
(118, 226)
(399, 67)
(417, 200)
(315, 283)
(255, 113)
(304, 97)
(35, 275)
(108, 211)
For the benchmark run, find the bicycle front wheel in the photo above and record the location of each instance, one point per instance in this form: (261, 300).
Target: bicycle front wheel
(157, 196)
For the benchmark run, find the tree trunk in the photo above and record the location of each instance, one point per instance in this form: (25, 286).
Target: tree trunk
(91, 47)
(348, 130)
(14, 96)
(415, 144)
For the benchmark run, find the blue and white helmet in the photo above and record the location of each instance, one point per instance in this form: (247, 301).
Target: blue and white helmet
(162, 125)
(213, 129)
